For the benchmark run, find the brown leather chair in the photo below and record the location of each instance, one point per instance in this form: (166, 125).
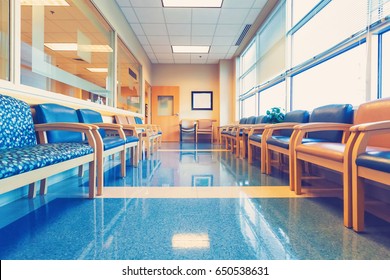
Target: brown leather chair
(204, 126)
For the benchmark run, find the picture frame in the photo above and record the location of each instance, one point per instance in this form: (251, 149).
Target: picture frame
(202, 100)
(202, 180)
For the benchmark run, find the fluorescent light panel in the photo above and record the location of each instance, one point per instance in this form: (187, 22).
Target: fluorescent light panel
(190, 49)
(192, 3)
(75, 47)
(98, 70)
(44, 3)
(190, 241)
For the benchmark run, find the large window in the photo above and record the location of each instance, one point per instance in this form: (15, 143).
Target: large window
(272, 41)
(4, 40)
(301, 8)
(338, 80)
(129, 92)
(249, 107)
(385, 64)
(336, 22)
(274, 96)
(67, 49)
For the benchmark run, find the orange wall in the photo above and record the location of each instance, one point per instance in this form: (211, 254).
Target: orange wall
(190, 77)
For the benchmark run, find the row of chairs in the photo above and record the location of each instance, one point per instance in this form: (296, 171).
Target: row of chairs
(354, 143)
(150, 135)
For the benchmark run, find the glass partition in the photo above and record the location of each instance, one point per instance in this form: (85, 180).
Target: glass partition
(67, 48)
(129, 95)
(4, 40)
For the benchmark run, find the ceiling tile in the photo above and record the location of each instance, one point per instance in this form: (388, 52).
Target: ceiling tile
(148, 3)
(224, 41)
(130, 15)
(155, 29)
(217, 56)
(164, 56)
(205, 15)
(150, 15)
(143, 40)
(233, 16)
(148, 48)
(219, 49)
(201, 40)
(252, 15)
(203, 29)
(179, 29)
(228, 30)
(177, 15)
(159, 40)
(123, 3)
(137, 28)
(166, 61)
(238, 4)
(212, 61)
(181, 56)
(180, 40)
(259, 4)
(162, 49)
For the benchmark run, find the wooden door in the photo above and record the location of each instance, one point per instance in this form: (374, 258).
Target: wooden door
(165, 111)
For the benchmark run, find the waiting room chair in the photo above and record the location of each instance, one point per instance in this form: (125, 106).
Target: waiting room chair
(204, 127)
(259, 133)
(110, 144)
(284, 144)
(370, 154)
(225, 130)
(187, 127)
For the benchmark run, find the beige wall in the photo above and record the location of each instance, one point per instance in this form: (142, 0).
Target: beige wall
(190, 77)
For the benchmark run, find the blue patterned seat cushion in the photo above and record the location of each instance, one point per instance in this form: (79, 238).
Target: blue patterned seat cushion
(16, 124)
(15, 161)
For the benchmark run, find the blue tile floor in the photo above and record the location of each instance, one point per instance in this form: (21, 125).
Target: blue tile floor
(184, 203)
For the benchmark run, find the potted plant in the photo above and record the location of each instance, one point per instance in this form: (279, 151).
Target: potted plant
(275, 115)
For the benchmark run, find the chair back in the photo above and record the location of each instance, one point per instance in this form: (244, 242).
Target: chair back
(242, 121)
(120, 119)
(130, 120)
(90, 116)
(374, 111)
(16, 125)
(261, 119)
(336, 113)
(251, 120)
(138, 120)
(187, 124)
(52, 113)
(205, 124)
(297, 116)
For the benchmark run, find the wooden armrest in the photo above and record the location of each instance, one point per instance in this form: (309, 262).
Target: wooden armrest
(280, 126)
(381, 125)
(322, 126)
(77, 127)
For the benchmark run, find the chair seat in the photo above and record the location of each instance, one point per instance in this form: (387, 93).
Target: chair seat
(284, 142)
(204, 130)
(112, 142)
(20, 160)
(256, 137)
(378, 160)
(333, 151)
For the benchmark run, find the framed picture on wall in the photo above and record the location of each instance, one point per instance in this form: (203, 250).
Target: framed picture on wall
(202, 100)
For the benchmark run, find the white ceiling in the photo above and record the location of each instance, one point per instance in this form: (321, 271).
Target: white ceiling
(159, 28)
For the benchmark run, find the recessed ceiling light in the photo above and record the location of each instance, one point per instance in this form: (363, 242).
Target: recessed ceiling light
(190, 241)
(190, 49)
(44, 3)
(192, 3)
(98, 70)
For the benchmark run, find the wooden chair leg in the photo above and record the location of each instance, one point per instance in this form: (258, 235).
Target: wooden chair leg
(123, 162)
(92, 179)
(43, 187)
(358, 203)
(32, 190)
